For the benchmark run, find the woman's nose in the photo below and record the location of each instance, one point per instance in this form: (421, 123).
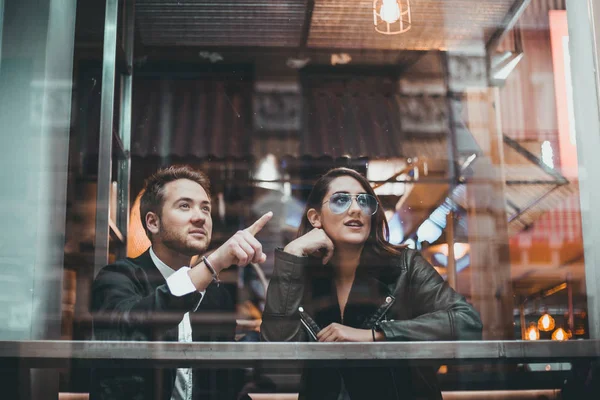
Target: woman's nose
(354, 207)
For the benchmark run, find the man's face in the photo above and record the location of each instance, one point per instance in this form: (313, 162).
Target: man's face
(185, 223)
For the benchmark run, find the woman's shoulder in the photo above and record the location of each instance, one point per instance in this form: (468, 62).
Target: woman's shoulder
(405, 262)
(403, 258)
(392, 262)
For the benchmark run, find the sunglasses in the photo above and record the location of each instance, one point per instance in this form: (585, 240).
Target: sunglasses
(340, 202)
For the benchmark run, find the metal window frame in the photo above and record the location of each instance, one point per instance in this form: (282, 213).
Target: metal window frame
(584, 35)
(1, 27)
(124, 164)
(104, 226)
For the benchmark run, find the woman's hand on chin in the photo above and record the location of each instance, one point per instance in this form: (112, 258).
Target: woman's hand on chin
(342, 333)
(315, 243)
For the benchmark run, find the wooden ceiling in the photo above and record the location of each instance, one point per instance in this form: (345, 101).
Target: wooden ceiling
(332, 24)
(220, 23)
(436, 24)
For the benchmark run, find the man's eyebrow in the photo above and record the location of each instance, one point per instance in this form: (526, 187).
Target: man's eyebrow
(188, 199)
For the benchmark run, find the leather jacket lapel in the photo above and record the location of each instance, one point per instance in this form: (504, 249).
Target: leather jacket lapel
(369, 301)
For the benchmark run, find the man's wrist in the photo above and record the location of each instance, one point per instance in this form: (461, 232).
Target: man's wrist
(215, 263)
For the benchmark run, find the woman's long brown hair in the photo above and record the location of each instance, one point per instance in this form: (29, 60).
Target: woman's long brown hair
(378, 240)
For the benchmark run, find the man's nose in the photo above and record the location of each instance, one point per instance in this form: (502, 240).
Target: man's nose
(198, 215)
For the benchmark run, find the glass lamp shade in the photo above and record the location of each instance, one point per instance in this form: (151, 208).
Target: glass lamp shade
(391, 17)
(546, 323)
(532, 332)
(560, 334)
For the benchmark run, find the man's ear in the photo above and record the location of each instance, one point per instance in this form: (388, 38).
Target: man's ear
(314, 218)
(152, 222)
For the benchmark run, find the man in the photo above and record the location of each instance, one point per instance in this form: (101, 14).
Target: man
(156, 296)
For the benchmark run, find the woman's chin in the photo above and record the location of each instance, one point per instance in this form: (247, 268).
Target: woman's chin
(351, 241)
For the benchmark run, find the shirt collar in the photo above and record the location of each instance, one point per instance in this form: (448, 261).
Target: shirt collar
(164, 269)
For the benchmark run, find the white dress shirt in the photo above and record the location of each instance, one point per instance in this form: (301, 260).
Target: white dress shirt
(180, 284)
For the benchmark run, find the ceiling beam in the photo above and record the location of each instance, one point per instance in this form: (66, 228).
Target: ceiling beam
(510, 20)
(310, 6)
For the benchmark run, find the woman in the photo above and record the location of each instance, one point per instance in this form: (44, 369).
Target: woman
(340, 280)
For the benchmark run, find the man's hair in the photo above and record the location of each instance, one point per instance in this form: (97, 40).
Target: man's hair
(154, 191)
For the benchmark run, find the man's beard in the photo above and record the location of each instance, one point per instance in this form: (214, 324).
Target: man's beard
(178, 242)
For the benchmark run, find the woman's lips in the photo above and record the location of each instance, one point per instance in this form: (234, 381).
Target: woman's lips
(354, 223)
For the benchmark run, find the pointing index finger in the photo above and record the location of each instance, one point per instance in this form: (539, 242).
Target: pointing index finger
(259, 224)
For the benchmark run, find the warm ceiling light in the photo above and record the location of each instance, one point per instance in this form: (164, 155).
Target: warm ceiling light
(546, 322)
(532, 332)
(390, 11)
(391, 17)
(560, 334)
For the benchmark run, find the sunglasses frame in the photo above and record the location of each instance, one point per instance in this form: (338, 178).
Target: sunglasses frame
(353, 197)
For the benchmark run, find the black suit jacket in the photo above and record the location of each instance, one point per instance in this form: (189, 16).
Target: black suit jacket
(131, 301)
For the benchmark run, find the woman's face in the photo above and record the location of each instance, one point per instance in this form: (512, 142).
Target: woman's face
(352, 226)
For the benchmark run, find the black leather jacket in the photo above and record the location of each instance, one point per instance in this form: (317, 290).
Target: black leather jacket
(403, 295)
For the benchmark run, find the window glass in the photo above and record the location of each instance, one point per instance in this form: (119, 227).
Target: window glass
(463, 221)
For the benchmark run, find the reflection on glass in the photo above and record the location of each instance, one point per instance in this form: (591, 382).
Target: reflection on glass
(460, 114)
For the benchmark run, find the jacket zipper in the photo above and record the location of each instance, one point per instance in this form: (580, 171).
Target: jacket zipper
(308, 328)
(385, 309)
(383, 314)
(307, 324)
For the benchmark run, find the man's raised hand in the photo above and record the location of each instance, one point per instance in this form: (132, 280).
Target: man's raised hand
(242, 248)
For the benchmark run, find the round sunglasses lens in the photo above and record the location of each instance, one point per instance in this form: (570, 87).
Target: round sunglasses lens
(367, 203)
(339, 202)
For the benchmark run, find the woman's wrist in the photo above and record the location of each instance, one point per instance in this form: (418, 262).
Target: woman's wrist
(293, 250)
(377, 336)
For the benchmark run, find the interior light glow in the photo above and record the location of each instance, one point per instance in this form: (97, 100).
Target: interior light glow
(390, 11)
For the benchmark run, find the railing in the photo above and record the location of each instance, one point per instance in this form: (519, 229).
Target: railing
(51, 354)
(470, 365)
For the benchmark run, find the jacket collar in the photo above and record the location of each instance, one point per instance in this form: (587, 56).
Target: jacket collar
(165, 270)
(147, 266)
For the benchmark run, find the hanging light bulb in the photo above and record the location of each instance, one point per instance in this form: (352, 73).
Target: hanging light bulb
(546, 322)
(390, 11)
(560, 334)
(391, 17)
(532, 332)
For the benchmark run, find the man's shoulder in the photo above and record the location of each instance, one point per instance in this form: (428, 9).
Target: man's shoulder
(127, 266)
